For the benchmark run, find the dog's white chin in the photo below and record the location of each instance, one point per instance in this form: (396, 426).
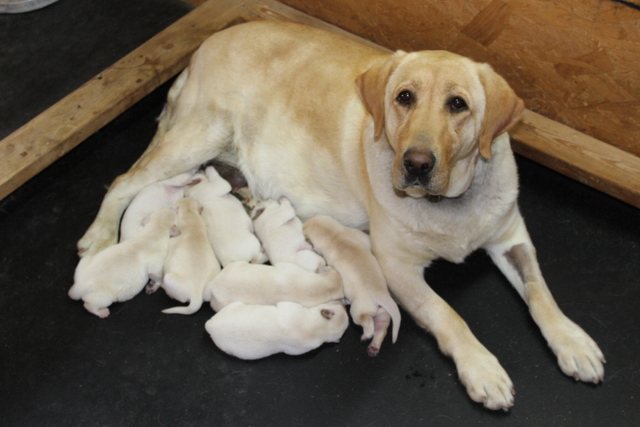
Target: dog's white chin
(416, 192)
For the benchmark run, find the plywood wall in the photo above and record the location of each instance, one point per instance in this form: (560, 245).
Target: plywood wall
(574, 61)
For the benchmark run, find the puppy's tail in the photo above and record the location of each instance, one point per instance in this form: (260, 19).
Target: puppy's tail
(392, 308)
(194, 305)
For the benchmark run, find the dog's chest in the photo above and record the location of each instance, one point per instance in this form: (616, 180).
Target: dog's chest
(454, 240)
(452, 229)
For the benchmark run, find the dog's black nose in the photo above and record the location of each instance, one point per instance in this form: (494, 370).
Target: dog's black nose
(419, 163)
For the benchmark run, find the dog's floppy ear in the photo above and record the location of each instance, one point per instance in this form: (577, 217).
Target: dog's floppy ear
(372, 85)
(503, 108)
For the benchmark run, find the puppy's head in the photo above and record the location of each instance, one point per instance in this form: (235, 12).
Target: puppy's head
(440, 112)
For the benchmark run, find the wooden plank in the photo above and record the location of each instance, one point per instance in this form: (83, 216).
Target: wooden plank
(57, 130)
(578, 156)
(575, 154)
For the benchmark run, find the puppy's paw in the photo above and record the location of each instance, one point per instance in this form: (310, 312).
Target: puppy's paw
(96, 239)
(101, 312)
(372, 350)
(152, 287)
(485, 380)
(578, 355)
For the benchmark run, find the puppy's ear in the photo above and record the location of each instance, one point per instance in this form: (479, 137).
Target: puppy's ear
(372, 85)
(174, 231)
(257, 211)
(326, 313)
(503, 108)
(196, 180)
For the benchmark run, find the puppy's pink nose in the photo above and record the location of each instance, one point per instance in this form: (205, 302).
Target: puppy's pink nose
(419, 163)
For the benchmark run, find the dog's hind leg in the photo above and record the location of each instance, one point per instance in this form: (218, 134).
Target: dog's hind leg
(185, 146)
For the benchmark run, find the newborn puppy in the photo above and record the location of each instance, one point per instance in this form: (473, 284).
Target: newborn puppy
(229, 227)
(190, 262)
(267, 284)
(280, 231)
(120, 272)
(229, 173)
(349, 251)
(255, 331)
(162, 194)
(238, 182)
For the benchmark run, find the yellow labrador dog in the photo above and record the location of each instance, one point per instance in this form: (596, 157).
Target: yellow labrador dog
(411, 146)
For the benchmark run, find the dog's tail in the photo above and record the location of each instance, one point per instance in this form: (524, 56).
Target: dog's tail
(194, 305)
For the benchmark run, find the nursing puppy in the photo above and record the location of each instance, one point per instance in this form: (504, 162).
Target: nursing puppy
(254, 331)
(267, 284)
(121, 271)
(349, 251)
(229, 227)
(190, 263)
(280, 232)
(161, 194)
(410, 146)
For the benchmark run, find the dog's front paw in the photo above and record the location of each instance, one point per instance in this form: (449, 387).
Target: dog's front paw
(578, 355)
(96, 239)
(486, 380)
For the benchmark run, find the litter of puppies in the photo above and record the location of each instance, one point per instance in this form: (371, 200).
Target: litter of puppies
(203, 239)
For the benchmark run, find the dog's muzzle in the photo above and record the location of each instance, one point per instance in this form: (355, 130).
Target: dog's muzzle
(418, 165)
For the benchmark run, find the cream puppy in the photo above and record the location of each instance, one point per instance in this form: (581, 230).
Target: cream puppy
(229, 227)
(121, 271)
(280, 231)
(161, 194)
(255, 331)
(267, 284)
(190, 262)
(349, 251)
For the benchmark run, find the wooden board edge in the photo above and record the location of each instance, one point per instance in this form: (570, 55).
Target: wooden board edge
(578, 156)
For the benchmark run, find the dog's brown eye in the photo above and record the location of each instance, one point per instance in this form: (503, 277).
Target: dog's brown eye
(457, 105)
(405, 98)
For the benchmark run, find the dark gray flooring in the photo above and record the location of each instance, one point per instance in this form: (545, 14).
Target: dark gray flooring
(59, 365)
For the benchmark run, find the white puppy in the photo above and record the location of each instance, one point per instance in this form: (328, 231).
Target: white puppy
(120, 272)
(280, 231)
(256, 331)
(229, 227)
(190, 262)
(267, 284)
(161, 194)
(349, 251)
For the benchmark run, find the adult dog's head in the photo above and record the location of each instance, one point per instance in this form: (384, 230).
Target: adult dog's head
(439, 112)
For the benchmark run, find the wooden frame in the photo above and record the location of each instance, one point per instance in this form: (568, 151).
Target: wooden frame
(57, 130)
